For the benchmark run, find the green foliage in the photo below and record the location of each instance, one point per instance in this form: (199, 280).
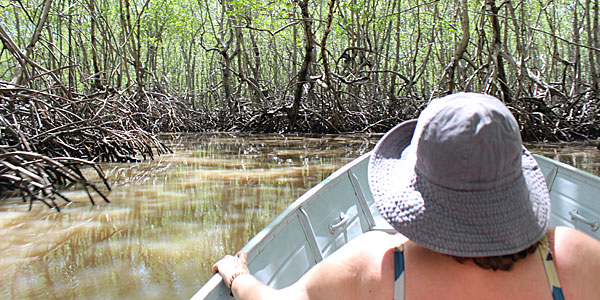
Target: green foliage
(185, 45)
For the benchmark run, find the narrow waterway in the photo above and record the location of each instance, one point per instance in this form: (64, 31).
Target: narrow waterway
(171, 218)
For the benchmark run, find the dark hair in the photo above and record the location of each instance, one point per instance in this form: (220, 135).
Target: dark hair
(503, 262)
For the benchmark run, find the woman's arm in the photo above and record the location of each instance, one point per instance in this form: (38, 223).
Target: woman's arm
(237, 277)
(361, 269)
(577, 259)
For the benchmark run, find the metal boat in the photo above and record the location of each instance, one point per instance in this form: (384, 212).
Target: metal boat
(341, 208)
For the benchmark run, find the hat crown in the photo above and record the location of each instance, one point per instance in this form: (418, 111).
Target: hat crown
(468, 142)
(459, 181)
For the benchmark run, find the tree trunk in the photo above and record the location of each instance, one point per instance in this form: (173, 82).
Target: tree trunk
(596, 31)
(462, 45)
(591, 53)
(496, 55)
(576, 54)
(305, 68)
(256, 53)
(13, 48)
(72, 76)
(123, 56)
(520, 45)
(324, 58)
(387, 41)
(552, 69)
(294, 60)
(337, 107)
(396, 66)
(97, 85)
(23, 75)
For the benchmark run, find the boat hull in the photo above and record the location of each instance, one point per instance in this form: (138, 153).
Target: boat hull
(341, 208)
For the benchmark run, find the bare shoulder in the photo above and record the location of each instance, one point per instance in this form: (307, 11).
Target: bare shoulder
(377, 240)
(366, 248)
(572, 241)
(577, 258)
(360, 254)
(361, 267)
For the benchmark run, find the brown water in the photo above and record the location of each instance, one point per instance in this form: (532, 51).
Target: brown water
(582, 155)
(171, 218)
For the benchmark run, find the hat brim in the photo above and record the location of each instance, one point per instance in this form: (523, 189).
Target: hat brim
(512, 218)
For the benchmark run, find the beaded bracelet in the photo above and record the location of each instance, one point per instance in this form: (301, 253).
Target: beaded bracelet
(233, 277)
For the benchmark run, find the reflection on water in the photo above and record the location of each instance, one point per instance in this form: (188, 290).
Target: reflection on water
(168, 221)
(584, 156)
(171, 218)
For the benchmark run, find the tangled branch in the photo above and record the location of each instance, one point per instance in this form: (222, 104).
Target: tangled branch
(46, 139)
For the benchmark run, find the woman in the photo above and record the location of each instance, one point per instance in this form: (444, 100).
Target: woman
(472, 211)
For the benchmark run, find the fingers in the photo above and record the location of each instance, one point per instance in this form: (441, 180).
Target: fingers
(215, 267)
(228, 260)
(230, 264)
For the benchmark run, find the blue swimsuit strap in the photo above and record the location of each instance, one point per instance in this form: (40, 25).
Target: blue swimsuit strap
(398, 261)
(399, 273)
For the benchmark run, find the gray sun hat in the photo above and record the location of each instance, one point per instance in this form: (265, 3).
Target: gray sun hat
(459, 181)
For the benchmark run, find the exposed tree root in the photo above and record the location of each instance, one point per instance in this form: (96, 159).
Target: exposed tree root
(45, 138)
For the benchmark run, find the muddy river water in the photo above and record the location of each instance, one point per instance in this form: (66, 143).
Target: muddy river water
(169, 219)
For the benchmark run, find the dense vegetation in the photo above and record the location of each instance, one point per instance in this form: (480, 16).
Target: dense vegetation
(94, 79)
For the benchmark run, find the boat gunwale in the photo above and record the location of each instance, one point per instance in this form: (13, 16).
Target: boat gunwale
(262, 239)
(587, 177)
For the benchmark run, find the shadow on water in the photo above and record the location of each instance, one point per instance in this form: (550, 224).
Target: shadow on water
(171, 218)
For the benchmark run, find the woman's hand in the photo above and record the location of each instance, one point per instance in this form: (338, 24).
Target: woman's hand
(229, 267)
